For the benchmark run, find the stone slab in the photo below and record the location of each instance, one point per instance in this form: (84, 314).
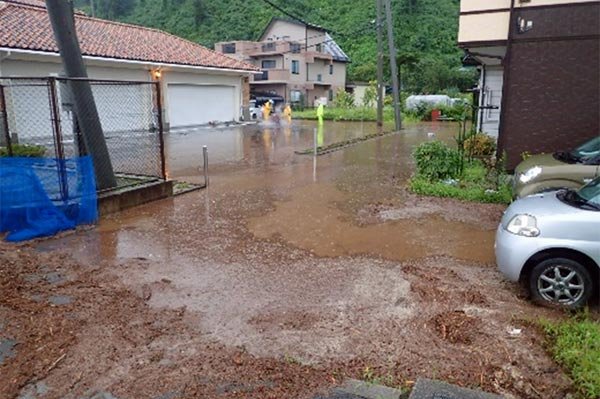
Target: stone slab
(366, 390)
(433, 389)
(7, 349)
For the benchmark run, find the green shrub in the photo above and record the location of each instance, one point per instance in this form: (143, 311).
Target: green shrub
(480, 145)
(24, 150)
(343, 99)
(459, 111)
(370, 96)
(436, 161)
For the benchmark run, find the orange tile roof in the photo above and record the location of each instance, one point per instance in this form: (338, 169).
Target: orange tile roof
(24, 24)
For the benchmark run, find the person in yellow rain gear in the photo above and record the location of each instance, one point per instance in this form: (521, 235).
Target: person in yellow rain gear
(320, 134)
(320, 113)
(287, 112)
(266, 110)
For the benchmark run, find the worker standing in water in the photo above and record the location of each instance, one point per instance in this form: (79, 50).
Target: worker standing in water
(266, 110)
(320, 112)
(287, 112)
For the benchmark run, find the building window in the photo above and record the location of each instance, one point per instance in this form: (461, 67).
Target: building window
(295, 48)
(229, 48)
(268, 64)
(331, 69)
(319, 78)
(295, 67)
(296, 96)
(330, 95)
(319, 48)
(268, 47)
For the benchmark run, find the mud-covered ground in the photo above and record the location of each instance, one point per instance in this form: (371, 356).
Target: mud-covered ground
(279, 281)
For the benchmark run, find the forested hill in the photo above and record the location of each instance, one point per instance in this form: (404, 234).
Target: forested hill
(425, 30)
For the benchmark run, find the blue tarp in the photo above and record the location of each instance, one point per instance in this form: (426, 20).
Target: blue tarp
(42, 196)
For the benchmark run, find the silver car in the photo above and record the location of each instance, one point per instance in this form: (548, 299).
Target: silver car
(551, 243)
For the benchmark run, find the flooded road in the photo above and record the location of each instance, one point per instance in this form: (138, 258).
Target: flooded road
(326, 261)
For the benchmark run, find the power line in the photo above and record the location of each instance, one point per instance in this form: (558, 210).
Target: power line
(349, 34)
(295, 17)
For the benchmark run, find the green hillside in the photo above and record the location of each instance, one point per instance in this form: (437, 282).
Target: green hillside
(425, 30)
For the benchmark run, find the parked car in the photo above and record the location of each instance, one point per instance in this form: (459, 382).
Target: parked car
(549, 172)
(550, 242)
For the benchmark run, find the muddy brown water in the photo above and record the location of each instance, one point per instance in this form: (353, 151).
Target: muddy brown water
(324, 260)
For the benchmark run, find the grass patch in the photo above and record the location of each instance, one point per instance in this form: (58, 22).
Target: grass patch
(575, 345)
(24, 150)
(341, 144)
(472, 186)
(350, 114)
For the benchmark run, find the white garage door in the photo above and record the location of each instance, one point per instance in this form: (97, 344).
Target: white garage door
(191, 105)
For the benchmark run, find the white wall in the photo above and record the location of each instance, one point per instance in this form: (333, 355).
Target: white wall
(38, 65)
(173, 77)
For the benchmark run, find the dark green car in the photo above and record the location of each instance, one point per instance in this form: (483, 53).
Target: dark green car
(549, 172)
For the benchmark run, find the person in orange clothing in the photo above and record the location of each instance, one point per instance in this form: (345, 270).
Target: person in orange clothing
(287, 112)
(266, 110)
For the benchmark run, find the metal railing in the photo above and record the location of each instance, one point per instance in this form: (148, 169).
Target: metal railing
(37, 115)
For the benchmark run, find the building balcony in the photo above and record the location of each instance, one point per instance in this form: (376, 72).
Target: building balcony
(274, 48)
(312, 56)
(272, 76)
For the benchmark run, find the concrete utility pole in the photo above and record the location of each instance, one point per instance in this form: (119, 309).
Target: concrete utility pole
(380, 86)
(63, 25)
(393, 66)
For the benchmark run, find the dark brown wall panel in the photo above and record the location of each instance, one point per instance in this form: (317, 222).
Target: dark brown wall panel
(553, 96)
(572, 20)
(552, 92)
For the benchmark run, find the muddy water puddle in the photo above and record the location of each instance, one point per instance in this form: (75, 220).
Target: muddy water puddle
(278, 251)
(311, 220)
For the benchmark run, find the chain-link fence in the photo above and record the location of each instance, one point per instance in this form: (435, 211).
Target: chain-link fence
(38, 117)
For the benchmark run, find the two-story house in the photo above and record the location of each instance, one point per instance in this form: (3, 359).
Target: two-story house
(540, 63)
(301, 63)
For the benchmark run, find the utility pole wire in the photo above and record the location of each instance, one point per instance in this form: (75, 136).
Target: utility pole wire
(294, 17)
(356, 32)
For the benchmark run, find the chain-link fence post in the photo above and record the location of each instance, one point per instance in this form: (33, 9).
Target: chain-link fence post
(161, 138)
(58, 146)
(5, 133)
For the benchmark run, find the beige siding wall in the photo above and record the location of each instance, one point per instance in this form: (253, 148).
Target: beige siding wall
(339, 74)
(282, 30)
(480, 5)
(483, 27)
(301, 76)
(477, 5)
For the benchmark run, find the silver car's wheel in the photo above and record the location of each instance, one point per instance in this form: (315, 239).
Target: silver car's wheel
(561, 282)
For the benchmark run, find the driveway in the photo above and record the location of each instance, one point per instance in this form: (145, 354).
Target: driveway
(286, 276)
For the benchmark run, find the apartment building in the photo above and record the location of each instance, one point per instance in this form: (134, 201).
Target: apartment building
(539, 62)
(299, 62)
